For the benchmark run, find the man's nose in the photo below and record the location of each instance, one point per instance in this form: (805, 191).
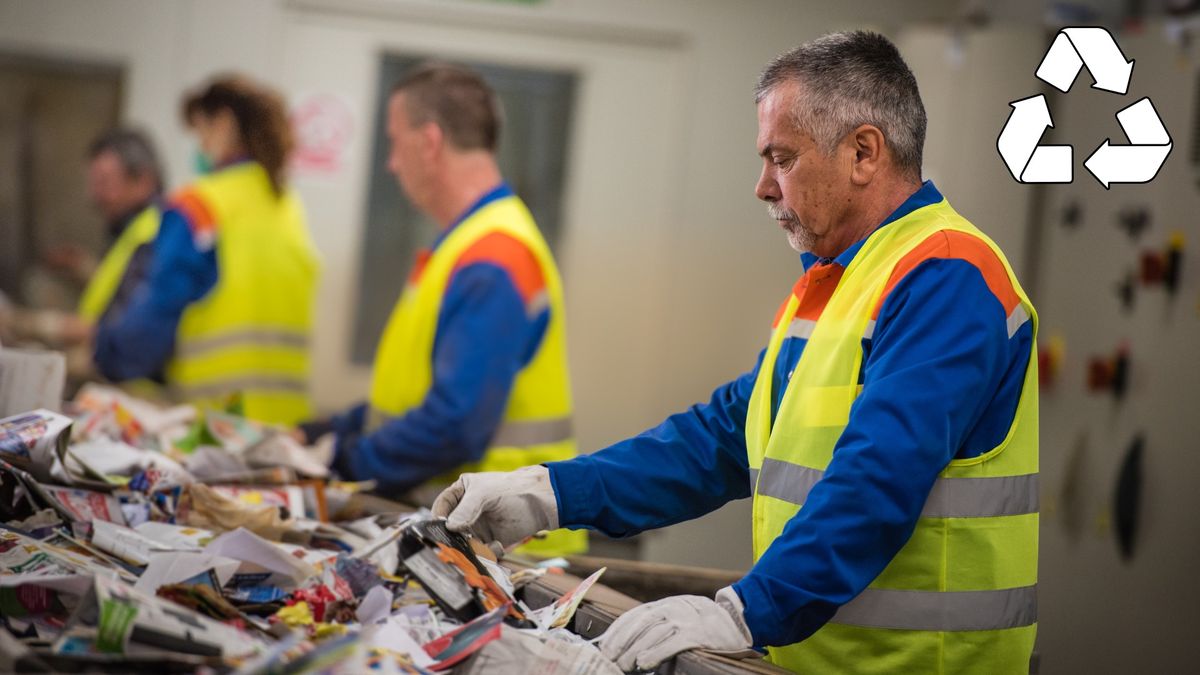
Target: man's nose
(767, 189)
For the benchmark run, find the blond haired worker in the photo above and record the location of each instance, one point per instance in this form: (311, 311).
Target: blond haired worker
(888, 434)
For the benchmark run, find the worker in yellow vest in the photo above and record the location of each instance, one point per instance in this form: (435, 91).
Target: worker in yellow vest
(888, 434)
(227, 309)
(471, 370)
(124, 185)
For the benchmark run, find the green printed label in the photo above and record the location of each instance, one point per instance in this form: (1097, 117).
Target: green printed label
(116, 623)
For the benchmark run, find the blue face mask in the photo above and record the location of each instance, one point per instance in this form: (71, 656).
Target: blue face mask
(202, 163)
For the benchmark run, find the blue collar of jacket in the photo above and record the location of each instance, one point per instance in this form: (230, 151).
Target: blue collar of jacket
(927, 194)
(495, 194)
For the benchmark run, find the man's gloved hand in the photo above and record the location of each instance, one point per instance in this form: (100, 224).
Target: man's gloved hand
(500, 507)
(645, 636)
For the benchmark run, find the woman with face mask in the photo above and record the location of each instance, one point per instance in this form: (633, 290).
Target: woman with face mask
(225, 315)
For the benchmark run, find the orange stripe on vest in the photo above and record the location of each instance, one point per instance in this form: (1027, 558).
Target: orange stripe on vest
(510, 255)
(956, 246)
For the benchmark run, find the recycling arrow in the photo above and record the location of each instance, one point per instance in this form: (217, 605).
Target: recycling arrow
(1027, 161)
(1094, 47)
(1139, 161)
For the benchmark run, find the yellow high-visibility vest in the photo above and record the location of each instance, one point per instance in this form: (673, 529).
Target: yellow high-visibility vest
(536, 425)
(248, 338)
(960, 596)
(107, 278)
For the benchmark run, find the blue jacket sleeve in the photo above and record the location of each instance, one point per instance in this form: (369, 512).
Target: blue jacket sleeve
(350, 421)
(941, 351)
(344, 424)
(139, 342)
(472, 379)
(691, 464)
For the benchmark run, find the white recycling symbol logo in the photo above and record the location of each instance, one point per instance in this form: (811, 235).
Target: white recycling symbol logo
(1135, 162)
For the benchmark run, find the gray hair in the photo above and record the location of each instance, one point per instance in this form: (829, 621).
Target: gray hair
(135, 152)
(848, 79)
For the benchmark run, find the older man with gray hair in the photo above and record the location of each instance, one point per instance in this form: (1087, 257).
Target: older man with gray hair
(888, 433)
(124, 185)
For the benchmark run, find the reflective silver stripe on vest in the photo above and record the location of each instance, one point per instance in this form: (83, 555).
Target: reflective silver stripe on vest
(216, 388)
(1017, 319)
(537, 304)
(753, 478)
(192, 348)
(533, 432)
(800, 328)
(786, 481)
(941, 610)
(982, 497)
(949, 498)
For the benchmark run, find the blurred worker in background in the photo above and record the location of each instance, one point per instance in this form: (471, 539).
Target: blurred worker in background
(888, 434)
(124, 184)
(471, 371)
(227, 309)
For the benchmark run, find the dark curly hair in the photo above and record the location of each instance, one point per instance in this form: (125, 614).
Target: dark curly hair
(261, 116)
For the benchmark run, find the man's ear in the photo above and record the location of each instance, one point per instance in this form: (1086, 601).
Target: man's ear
(869, 149)
(146, 182)
(433, 141)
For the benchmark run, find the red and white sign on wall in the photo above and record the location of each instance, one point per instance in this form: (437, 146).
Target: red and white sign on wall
(323, 124)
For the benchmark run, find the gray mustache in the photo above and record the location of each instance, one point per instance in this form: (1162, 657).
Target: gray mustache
(780, 212)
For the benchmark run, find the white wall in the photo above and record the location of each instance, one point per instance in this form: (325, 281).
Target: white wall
(967, 81)
(166, 47)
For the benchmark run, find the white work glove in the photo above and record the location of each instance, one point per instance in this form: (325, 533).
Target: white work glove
(647, 635)
(500, 507)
